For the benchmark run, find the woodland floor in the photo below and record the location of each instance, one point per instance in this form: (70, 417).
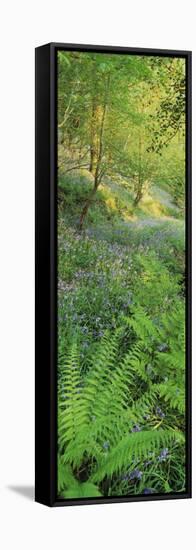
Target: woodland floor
(126, 260)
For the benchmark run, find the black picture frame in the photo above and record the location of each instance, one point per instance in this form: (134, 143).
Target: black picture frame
(46, 273)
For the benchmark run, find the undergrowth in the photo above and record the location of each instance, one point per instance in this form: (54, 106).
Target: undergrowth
(121, 319)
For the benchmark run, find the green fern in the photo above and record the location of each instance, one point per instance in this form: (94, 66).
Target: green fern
(69, 487)
(82, 490)
(134, 447)
(65, 475)
(173, 395)
(98, 410)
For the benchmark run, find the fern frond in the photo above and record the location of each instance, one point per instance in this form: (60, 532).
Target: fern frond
(65, 475)
(100, 374)
(142, 325)
(134, 447)
(71, 405)
(82, 490)
(98, 410)
(172, 395)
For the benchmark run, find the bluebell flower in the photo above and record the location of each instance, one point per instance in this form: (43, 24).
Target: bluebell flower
(147, 491)
(84, 329)
(135, 474)
(136, 428)
(159, 412)
(163, 455)
(147, 462)
(162, 347)
(106, 445)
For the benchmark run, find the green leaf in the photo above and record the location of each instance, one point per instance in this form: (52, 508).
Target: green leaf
(82, 490)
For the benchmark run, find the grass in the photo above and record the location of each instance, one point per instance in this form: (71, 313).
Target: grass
(114, 202)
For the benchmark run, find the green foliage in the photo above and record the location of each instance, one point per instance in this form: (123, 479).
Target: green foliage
(136, 447)
(121, 275)
(171, 110)
(101, 97)
(171, 172)
(98, 411)
(69, 487)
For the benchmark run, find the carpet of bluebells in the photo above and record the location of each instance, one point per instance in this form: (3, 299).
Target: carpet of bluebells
(100, 282)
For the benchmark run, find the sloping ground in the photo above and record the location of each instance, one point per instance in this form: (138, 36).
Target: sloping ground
(111, 217)
(152, 222)
(164, 197)
(149, 232)
(157, 203)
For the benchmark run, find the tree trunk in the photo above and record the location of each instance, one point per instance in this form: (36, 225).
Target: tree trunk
(86, 207)
(97, 171)
(140, 183)
(92, 160)
(138, 197)
(93, 144)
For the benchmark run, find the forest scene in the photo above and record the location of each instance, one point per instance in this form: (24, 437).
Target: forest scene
(121, 274)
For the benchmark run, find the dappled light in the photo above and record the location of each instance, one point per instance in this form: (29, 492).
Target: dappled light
(121, 275)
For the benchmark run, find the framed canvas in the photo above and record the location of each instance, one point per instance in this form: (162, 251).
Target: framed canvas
(113, 274)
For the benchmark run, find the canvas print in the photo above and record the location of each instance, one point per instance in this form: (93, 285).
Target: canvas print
(121, 125)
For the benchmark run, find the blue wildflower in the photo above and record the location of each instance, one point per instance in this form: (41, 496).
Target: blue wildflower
(147, 463)
(135, 474)
(159, 412)
(84, 329)
(146, 416)
(147, 491)
(106, 445)
(163, 455)
(162, 347)
(136, 428)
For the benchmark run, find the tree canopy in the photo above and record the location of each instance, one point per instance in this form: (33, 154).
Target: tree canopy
(117, 115)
